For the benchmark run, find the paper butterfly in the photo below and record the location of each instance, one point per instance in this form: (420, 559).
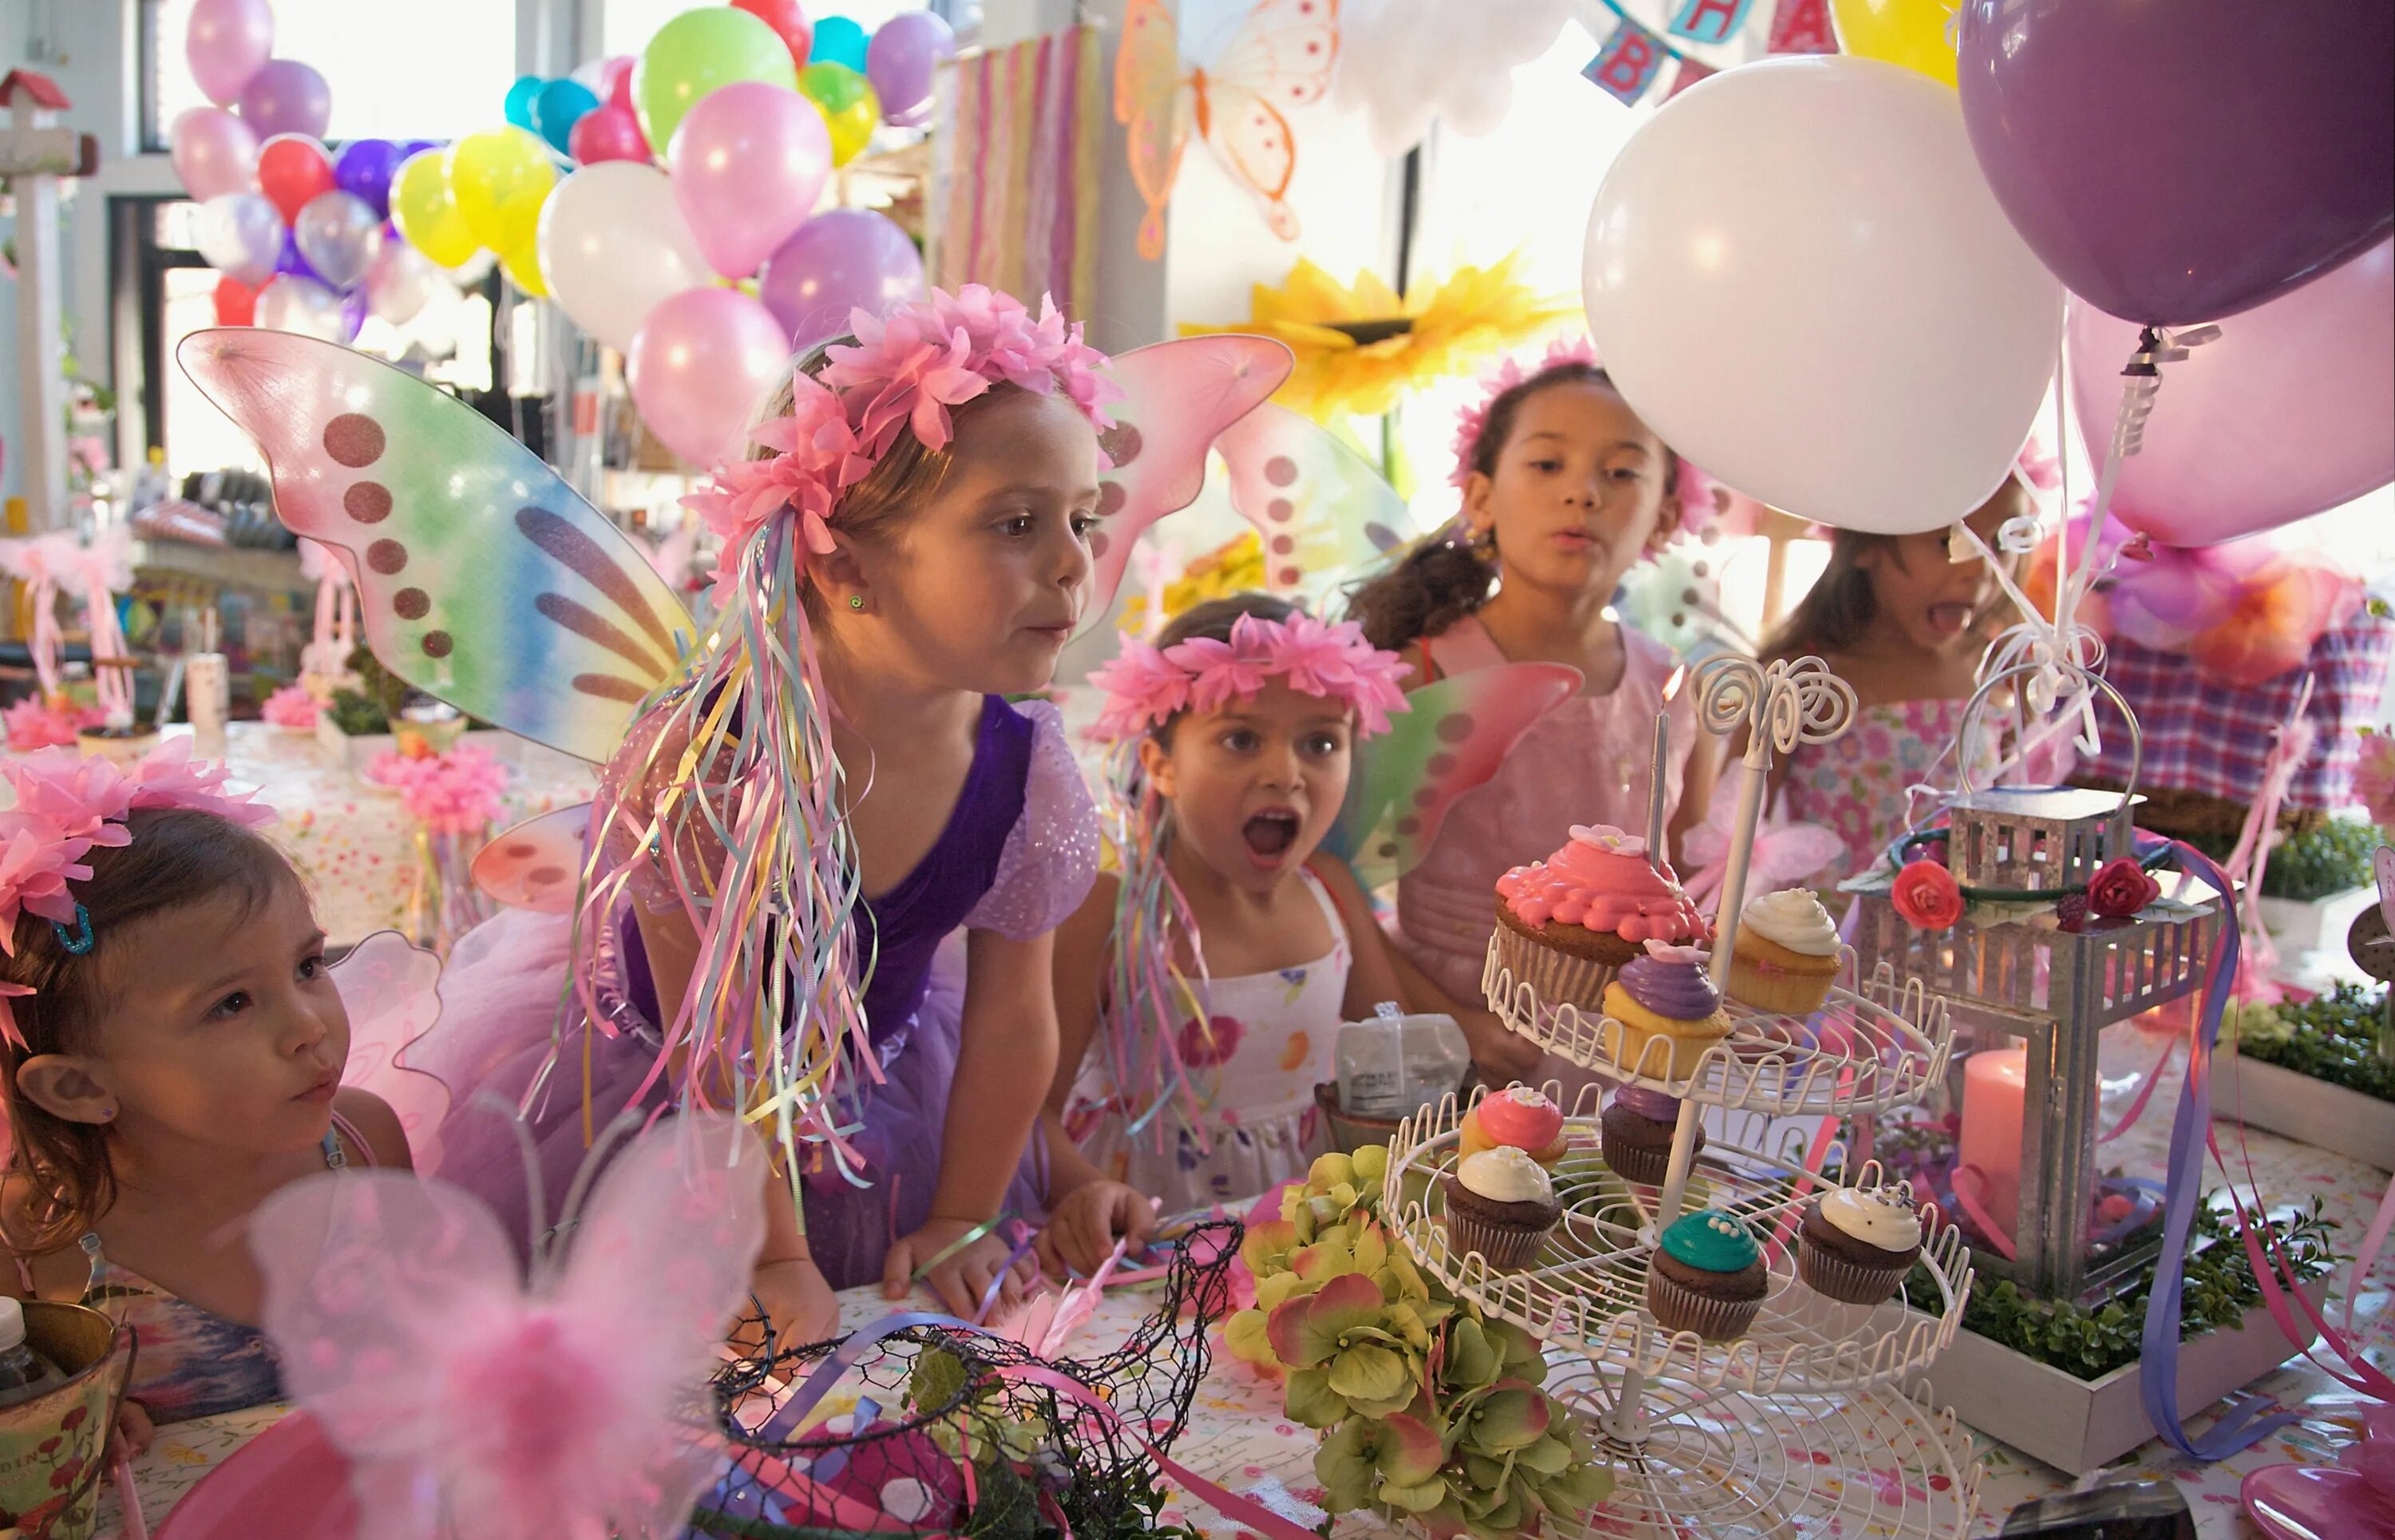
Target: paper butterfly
(1785, 854)
(1280, 58)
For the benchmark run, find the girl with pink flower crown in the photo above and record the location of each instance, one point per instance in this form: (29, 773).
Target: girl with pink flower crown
(1564, 490)
(1235, 735)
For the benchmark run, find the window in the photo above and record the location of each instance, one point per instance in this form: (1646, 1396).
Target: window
(626, 26)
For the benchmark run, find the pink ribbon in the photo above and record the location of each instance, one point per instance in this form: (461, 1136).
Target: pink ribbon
(2290, 747)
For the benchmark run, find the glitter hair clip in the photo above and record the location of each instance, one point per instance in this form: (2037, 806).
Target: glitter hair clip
(1146, 687)
(904, 372)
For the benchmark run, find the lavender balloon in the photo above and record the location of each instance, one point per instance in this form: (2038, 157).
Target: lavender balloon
(901, 60)
(364, 170)
(240, 233)
(339, 234)
(227, 42)
(842, 259)
(287, 97)
(215, 153)
(2180, 163)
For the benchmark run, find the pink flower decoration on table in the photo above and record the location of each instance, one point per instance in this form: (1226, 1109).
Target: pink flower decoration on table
(291, 706)
(2374, 777)
(459, 792)
(35, 723)
(1926, 896)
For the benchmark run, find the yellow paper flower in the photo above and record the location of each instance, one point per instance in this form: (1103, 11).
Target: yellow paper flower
(1235, 567)
(1358, 350)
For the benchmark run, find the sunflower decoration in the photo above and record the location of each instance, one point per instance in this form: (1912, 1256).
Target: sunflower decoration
(1235, 567)
(1360, 349)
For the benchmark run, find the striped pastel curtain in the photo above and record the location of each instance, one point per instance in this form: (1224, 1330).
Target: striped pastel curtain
(1014, 195)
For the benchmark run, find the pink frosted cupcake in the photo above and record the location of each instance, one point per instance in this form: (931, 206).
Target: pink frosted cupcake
(1565, 925)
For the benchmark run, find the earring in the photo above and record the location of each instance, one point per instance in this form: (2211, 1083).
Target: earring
(107, 1114)
(856, 601)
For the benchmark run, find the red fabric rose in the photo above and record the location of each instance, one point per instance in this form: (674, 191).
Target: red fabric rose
(1928, 896)
(2120, 888)
(2070, 912)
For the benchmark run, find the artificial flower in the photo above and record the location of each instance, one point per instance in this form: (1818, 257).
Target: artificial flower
(2070, 914)
(2121, 887)
(2374, 777)
(39, 722)
(168, 777)
(1926, 896)
(1139, 682)
(37, 863)
(459, 792)
(291, 706)
(1235, 567)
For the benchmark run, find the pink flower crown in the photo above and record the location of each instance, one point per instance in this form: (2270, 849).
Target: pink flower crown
(904, 371)
(1146, 687)
(67, 805)
(1693, 487)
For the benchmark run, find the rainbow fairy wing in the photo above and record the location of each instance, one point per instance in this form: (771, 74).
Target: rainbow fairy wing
(484, 580)
(1451, 739)
(1322, 511)
(1178, 397)
(536, 865)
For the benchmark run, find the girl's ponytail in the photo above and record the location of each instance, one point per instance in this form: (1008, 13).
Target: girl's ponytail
(1437, 585)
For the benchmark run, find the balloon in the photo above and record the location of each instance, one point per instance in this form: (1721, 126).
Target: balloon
(617, 76)
(426, 217)
(236, 301)
(339, 234)
(291, 259)
(842, 259)
(400, 282)
(839, 40)
(520, 262)
(1796, 279)
(226, 43)
(560, 106)
(2289, 411)
(214, 153)
(498, 179)
(747, 166)
(2181, 163)
(364, 169)
(1910, 32)
(520, 96)
(702, 364)
(292, 168)
(848, 107)
(294, 304)
(608, 134)
(900, 63)
(790, 24)
(698, 52)
(614, 247)
(287, 97)
(241, 234)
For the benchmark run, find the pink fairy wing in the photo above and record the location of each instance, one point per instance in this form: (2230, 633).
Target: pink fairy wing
(536, 865)
(390, 989)
(1178, 397)
(1320, 508)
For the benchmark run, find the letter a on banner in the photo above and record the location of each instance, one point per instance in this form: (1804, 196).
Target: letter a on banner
(1628, 63)
(1801, 27)
(1710, 20)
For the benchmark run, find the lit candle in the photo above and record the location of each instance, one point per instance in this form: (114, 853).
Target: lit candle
(1995, 1082)
(1655, 775)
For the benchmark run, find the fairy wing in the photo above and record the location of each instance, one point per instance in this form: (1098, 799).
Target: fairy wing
(1179, 397)
(1280, 58)
(1153, 99)
(1320, 508)
(390, 991)
(536, 865)
(1453, 737)
(484, 578)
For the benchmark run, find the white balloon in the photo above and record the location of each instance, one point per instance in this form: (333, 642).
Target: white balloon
(339, 234)
(294, 304)
(400, 282)
(1797, 276)
(241, 234)
(613, 245)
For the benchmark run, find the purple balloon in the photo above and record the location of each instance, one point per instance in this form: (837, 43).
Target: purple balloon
(842, 259)
(364, 170)
(226, 43)
(900, 61)
(287, 97)
(292, 262)
(353, 314)
(2179, 163)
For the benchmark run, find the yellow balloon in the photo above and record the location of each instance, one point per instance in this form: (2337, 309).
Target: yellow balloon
(849, 106)
(522, 264)
(498, 179)
(426, 220)
(1910, 32)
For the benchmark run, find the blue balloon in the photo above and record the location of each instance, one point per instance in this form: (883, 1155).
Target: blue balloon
(560, 106)
(839, 40)
(519, 100)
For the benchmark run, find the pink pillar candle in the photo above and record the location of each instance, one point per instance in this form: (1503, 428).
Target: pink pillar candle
(1993, 1084)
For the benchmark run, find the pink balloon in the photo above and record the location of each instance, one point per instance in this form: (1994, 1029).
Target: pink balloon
(227, 42)
(214, 153)
(607, 134)
(747, 164)
(2289, 413)
(701, 366)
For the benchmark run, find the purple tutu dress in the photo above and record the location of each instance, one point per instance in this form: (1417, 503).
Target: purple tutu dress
(1016, 856)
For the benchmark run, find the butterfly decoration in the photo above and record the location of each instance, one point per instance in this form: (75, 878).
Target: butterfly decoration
(484, 580)
(1322, 511)
(1785, 854)
(1045, 1322)
(1279, 58)
(536, 864)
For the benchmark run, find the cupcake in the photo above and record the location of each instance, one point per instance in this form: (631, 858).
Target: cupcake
(120, 741)
(1707, 1277)
(1567, 924)
(1787, 954)
(1518, 1119)
(1635, 1134)
(1857, 1245)
(1500, 1203)
(1666, 994)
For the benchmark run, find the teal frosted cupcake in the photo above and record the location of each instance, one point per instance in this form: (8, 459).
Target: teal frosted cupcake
(1707, 1277)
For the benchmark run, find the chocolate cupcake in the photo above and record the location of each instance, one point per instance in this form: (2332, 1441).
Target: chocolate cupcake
(1635, 1134)
(1707, 1275)
(1857, 1245)
(1500, 1203)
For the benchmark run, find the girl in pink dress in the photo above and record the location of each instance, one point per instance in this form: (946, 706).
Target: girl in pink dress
(1564, 491)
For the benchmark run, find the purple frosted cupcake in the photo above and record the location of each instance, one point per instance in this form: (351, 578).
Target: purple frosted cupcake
(1665, 996)
(1635, 1134)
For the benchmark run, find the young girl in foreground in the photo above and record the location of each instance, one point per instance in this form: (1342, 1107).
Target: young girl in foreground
(1243, 719)
(1564, 490)
(175, 1055)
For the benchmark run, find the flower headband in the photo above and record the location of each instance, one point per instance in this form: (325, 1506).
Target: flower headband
(66, 806)
(904, 370)
(1693, 486)
(1146, 687)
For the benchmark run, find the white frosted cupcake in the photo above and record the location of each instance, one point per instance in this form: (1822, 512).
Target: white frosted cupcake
(1500, 1203)
(1857, 1245)
(1787, 954)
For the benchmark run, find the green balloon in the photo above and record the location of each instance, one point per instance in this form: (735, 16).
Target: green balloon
(834, 87)
(696, 53)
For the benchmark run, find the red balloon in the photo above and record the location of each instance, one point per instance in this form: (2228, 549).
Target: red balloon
(236, 302)
(790, 24)
(293, 169)
(607, 134)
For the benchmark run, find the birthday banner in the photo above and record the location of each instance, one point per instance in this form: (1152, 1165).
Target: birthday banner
(1639, 39)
